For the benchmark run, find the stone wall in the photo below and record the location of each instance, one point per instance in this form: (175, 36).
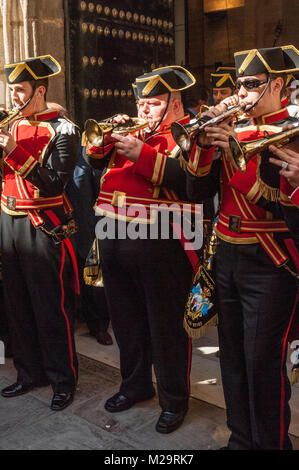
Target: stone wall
(214, 38)
(29, 28)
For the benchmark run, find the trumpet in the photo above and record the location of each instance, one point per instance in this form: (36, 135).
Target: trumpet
(97, 131)
(7, 116)
(183, 134)
(242, 152)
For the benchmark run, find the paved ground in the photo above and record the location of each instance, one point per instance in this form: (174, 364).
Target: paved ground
(26, 422)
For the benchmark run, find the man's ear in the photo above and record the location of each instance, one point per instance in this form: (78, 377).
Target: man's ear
(277, 85)
(176, 106)
(41, 90)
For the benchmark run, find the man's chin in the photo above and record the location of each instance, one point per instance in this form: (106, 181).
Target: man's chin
(250, 112)
(151, 126)
(25, 112)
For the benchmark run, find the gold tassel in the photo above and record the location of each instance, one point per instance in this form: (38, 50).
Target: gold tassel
(92, 272)
(269, 193)
(295, 376)
(92, 276)
(202, 331)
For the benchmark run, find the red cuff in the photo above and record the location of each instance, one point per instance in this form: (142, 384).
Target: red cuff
(295, 197)
(151, 164)
(286, 193)
(20, 161)
(98, 152)
(200, 160)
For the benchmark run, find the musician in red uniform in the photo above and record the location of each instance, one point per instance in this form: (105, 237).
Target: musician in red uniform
(223, 83)
(255, 273)
(147, 280)
(39, 155)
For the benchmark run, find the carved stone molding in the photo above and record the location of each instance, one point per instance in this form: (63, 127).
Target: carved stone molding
(29, 28)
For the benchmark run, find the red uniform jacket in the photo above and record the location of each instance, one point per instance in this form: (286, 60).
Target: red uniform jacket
(243, 218)
(35, 172)
(156, 177)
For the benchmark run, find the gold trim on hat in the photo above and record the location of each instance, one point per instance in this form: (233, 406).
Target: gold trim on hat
(290, 76)
(151, 84)
(21, 66)
(154, 79)
(224, 77)
(252, 53)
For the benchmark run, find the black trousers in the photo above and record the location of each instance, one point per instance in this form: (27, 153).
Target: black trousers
(256, 301)
(147, 283)
(39, 305)
(3, 320)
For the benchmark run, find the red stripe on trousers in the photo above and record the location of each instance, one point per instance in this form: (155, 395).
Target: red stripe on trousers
(64, 312)
(56, 220)
(53, 217)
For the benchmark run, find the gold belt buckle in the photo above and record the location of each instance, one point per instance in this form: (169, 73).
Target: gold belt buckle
(234, 223)
(118, 199)
(11, 203)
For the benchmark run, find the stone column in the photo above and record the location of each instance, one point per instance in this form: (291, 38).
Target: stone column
(29, 28)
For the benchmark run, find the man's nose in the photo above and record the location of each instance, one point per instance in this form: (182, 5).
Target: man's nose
(218, 96)
(146, 108)
(14, 95)
(242, 93)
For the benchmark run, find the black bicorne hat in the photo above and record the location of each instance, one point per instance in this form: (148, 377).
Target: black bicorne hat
(35, 68)
(162, 80)
(224, 77)
(291, 77)
(277, 60)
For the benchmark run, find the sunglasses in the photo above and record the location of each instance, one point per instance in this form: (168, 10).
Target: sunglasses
(250, 83)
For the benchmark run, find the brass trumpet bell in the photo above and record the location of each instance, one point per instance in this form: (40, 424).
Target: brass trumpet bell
(183, 134)
(7, 116)
(242, 152)
(97, 131)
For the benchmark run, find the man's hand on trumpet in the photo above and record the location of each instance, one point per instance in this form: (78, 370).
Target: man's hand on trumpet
(288, 162)
(7, 143)
(219, 134)
(221, 107)
(118, 119)
(128, 146)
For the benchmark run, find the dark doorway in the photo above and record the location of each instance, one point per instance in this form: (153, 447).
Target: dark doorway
(108, 44)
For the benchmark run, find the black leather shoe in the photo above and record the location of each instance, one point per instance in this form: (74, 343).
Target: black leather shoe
(169, 422)
(61, 401)
(16, 389)
(120, 402)
(103, 337)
